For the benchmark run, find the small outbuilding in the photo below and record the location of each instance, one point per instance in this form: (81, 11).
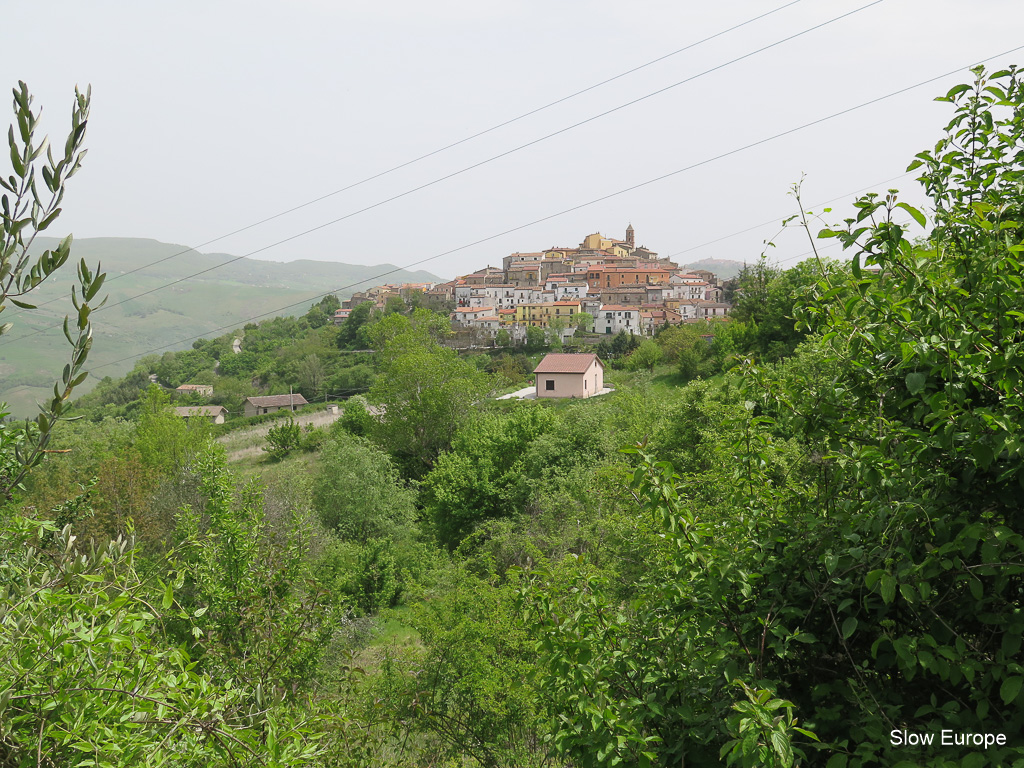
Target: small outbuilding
(203, 390)
(255, 406)
(569, 375)
(214, 413)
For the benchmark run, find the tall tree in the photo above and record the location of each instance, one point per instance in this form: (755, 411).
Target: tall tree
(425, 392)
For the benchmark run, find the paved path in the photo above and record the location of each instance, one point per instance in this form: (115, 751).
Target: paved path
(530, 393)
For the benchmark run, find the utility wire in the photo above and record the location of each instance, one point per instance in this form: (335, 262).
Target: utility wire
(773, 220)
(609, 196)
(454, 144)
(477, 164)
(777, 218)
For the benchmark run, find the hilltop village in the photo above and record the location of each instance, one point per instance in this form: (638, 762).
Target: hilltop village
(603, 286)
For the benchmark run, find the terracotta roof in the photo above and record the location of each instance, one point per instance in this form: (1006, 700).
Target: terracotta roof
(618, 308)
(271, 401)
(561, 362)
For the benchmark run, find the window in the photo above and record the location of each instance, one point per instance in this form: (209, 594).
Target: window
(549, 385)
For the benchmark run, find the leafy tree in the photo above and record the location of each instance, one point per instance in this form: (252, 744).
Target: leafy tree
(420, 327)
(767, 303)
(312, 375)
(468, 692)
(356, 419)
(255, 616)
(502, 338)
(321, 313)
(556, 326)
(623, 344)
(583, 321)
(426, 393)
(889, 448)
(395, 305)
(646, 356)
(349, 332)
(166, 442)
(536, 339)
(481, 477)
(357, 492)
(283, 438)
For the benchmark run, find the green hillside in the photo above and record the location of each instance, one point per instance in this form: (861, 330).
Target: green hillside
(167, 319)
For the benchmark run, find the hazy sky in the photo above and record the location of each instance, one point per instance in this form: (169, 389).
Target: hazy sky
(209, 116)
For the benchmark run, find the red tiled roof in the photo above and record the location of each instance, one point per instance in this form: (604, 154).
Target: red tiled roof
(271, 401)
(561, 362)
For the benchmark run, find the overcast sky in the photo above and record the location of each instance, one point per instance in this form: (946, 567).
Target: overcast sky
(209, 116)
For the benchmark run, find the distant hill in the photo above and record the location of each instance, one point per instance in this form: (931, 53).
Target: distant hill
(197, 306)
(723, 268)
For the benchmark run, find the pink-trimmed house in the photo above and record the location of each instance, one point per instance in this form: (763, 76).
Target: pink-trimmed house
(569, 375)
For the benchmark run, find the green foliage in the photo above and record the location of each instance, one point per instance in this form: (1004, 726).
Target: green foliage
(536, 339)
(583, 321)
(349, 334)
(166, 442)
(767, 304)
(253, 615)
(283, 439)
(645, 357)
(356, 419)
(86, 677)
(762, 730)
(481, 477)
(426, 392)
(357, 492)
(467, 693)
(889, 450)
(376, 584)
(320, 314)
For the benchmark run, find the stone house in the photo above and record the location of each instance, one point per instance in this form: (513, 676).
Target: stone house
(255, 406)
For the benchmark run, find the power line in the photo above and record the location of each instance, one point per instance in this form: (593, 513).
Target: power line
(609, 196)
(454, 144)
(472, 166)
(777, 218)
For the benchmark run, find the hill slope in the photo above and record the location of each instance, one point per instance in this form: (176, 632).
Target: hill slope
(166, 319)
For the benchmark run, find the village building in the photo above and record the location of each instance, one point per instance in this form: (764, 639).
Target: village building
(612, 318)
(569, 375)
(630, 296)
(464, 316)
(543, 313)
(215, 414)
(257, 406)
(203, 390)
